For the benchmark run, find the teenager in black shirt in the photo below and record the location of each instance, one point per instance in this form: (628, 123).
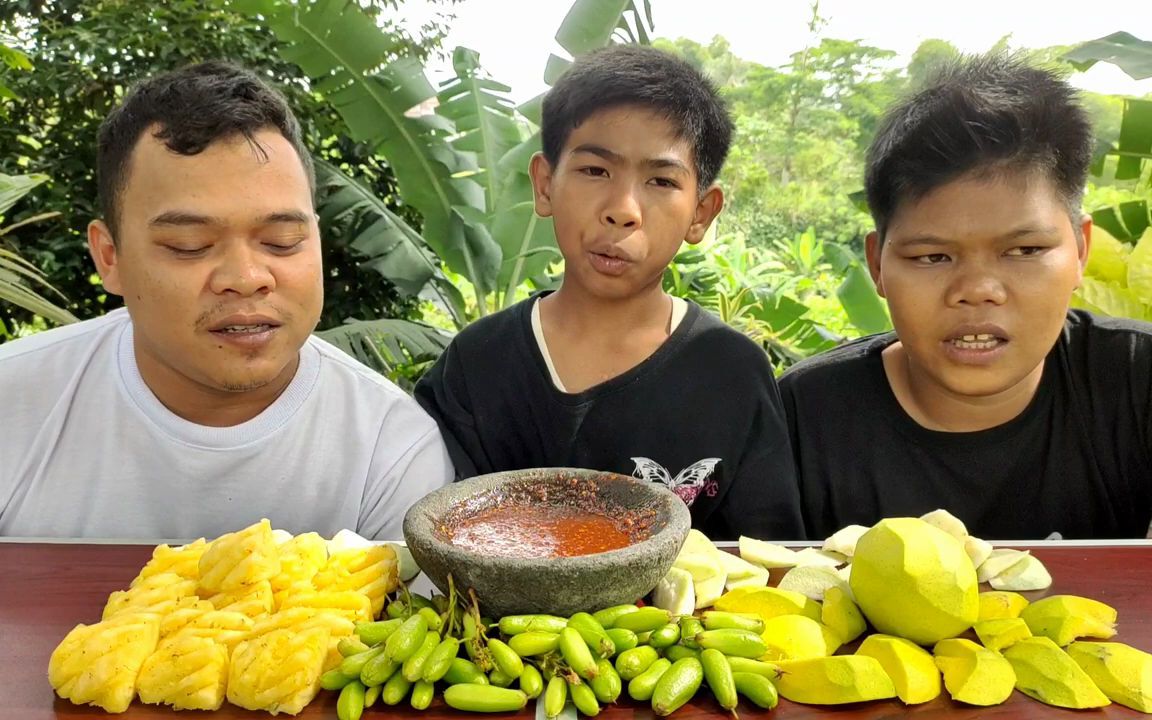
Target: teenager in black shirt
(609, 372)
(991, 399)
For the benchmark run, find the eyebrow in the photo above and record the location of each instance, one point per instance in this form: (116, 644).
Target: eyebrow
(1016, 234)
(183, 218)
(660, 163)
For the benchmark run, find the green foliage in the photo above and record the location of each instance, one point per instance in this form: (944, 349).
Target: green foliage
(87, 52)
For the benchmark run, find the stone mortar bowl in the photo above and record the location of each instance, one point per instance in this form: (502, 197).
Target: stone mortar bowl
(553, 585)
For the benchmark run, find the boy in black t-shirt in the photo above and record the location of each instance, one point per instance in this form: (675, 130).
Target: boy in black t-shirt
(991, 399)
(608, 372)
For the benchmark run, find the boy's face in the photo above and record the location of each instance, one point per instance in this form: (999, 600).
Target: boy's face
(978, 275)
(218, 261)
(623, 197)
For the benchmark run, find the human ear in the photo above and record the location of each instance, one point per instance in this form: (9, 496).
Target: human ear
(873, 247)
(540, 170)
(102, 248)
(707, 208)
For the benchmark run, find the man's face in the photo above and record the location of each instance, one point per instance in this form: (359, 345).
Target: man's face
(218, 261)
(978, 275)
(623, 197)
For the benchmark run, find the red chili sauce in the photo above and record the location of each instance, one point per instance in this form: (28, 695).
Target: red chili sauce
(538, 531)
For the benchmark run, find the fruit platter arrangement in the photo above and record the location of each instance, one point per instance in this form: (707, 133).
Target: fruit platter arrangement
(268, 621)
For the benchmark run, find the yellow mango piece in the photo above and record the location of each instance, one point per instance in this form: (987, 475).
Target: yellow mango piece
(98, 664)
(911, 668)
(973, 674)
(997, 604)
(188, 673)
(797, 637)
(1047, 673)
(842, 615)
(915, 581)
(833, 680)
(1002, 632)
(240, 558)
(1122, 672)
(768, 602)
(1064, 618)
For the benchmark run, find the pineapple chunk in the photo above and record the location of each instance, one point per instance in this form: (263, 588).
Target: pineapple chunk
(98, 664)
(183, 561)
(278, 671)
(252, 600)
(158, 594)
(371, 571)
(347, 603)
(300, 559)
(187, 609)
(304, 618)
(186, 672)
(223, 626)
(240, 558)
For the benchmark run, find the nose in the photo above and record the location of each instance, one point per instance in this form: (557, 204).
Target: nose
(977, 284)
(622, 209)
(242, 271)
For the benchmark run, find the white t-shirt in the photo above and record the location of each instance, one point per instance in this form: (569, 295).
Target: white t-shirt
(86, 449)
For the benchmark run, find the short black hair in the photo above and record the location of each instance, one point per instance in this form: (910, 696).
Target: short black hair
(621, 75)
(995, 113)
(192, 108)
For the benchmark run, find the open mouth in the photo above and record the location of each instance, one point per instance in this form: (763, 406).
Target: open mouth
(245, 329)
(981, 341)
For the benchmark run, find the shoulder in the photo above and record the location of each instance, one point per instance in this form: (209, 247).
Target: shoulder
(843, 363)
(1102, 334)
(362, 386)
(496, 329)
(709, 331)
(66, 344)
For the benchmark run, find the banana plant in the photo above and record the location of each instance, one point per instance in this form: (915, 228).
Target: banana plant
(19, 279)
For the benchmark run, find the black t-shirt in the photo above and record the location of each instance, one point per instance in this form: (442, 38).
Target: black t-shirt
(1077, 460)
(702, 415)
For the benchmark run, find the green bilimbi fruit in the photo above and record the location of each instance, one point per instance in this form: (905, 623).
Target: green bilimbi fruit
(606, 685)
(734, 642)
(642, 686)
(499, 679)
(593, 633)
(516, 624)
(422, 693)
(665, 635)
(396, 689)
(690, 627)
(679, 652)
(441, 659)
(631, 663)
(506, 659)
(461, 671)
(584, 698)
(529, 644)
(576, 653)
(374, 633)
(644, 619)
(371, 695)
(403, 643)
(754, 667)
(435, 622)
(608, 616)
(756, 688)
(349, 646)
(413, 668)
(350, 705)
(351, 666)
(484, 698)
(531, 682)
(623, 639)
(718, 673)
(555, 697)
(677, 686)
(377, 670)
(717, 620)
(334, 679)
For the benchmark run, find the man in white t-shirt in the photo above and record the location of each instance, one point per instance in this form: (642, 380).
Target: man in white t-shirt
(207, 404)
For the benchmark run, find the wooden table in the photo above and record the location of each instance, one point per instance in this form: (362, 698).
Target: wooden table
(47, 588)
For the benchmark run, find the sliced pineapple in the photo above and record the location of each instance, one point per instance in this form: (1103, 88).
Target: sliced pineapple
(300, 559)
(183, 561)
(372, 571)
(350, 604)
(240, 558)
(187, 609)
(159, 594)
(252, 600)
(188, 672)
(98, 664)
(223, 626)
(278, 671)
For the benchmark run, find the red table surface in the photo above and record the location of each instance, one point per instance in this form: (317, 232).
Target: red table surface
(47, 588)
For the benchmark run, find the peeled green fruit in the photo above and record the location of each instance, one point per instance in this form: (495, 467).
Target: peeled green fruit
(973, 674)
(675, 592)
(1063, 618)
(1047, 673)
(834, 680)
(1122, 672)
(768, 602)
(910, 667)
(946, 521)
(997, 562)
(812, 581)
(844, 540)
(766, 554)
(842, 615)
(914, 581)
(796, 637)
(1027, 574)
(1001, 604)
(1000, 633)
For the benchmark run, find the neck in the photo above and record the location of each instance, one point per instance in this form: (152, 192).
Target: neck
(583, 314)
(205, 405)
(935, 407)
